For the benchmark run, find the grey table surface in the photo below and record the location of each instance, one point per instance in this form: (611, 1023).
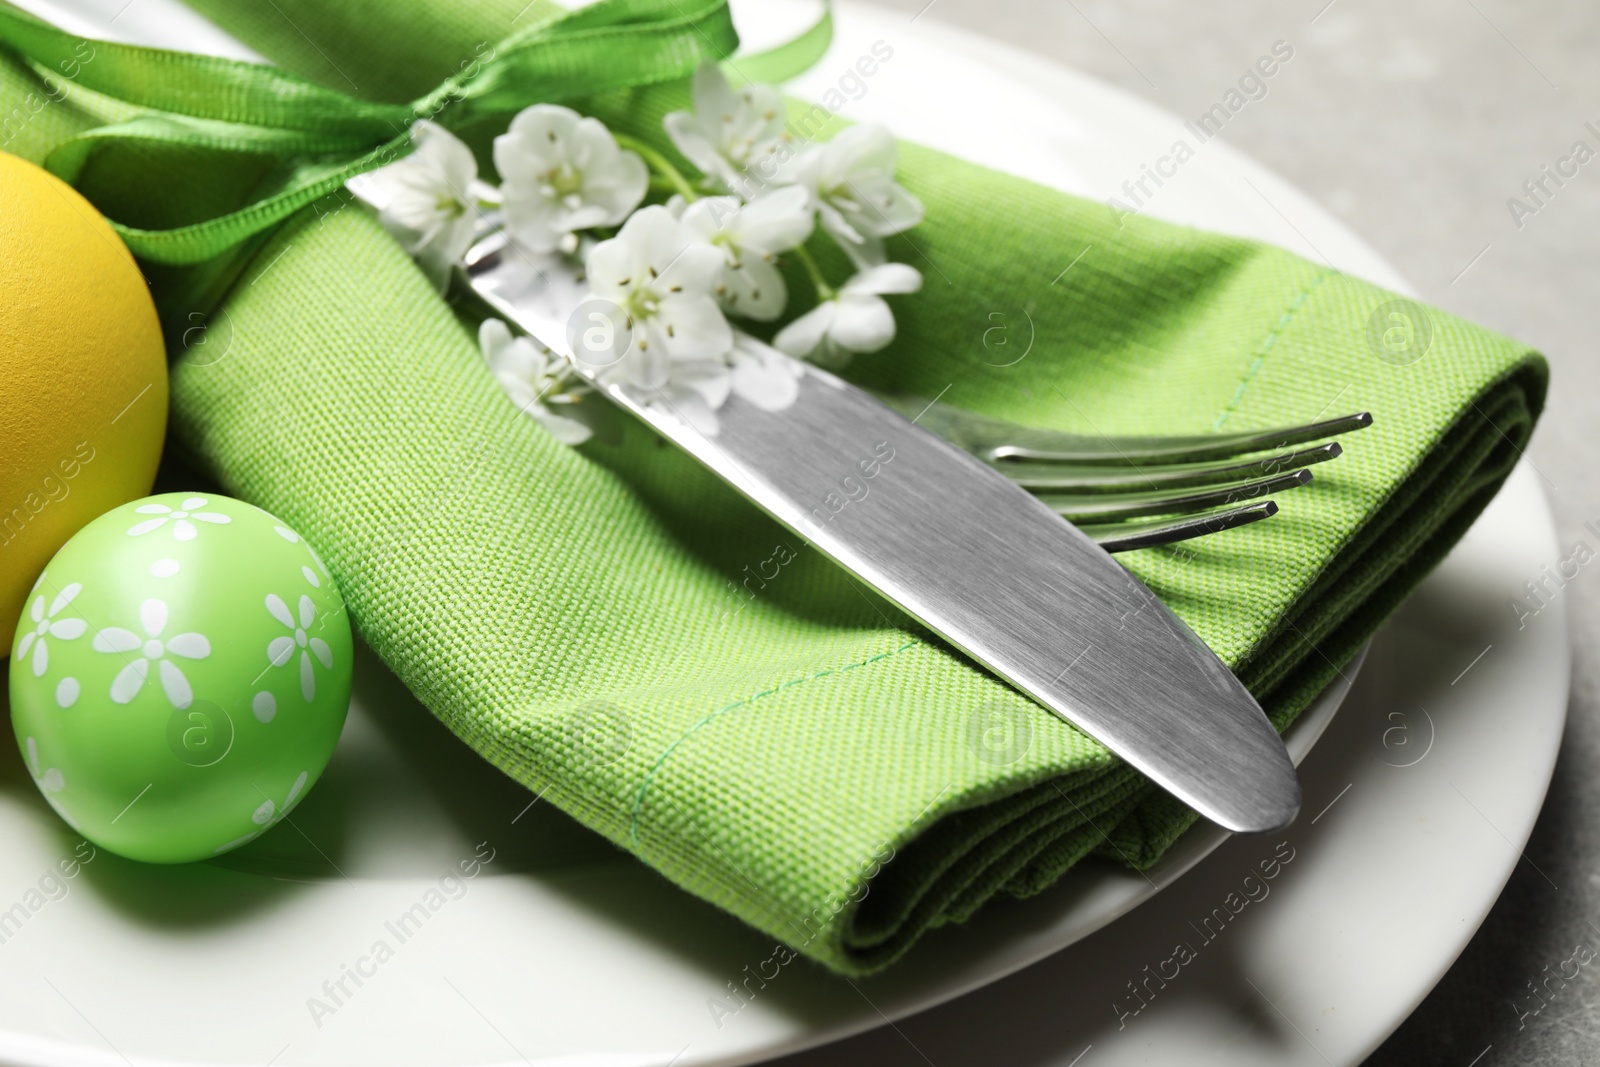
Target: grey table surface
(1415, 122)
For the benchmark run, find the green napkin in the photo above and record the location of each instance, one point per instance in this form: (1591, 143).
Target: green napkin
(806, 758)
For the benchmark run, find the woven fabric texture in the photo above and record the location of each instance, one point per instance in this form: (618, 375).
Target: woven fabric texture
(808, 758)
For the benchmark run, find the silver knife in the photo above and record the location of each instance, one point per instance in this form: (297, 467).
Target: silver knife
(959, 547)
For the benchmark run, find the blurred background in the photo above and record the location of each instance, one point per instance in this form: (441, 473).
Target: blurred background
(1415, 123)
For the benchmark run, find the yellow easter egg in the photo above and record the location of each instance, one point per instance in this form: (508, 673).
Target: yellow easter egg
(83, 375)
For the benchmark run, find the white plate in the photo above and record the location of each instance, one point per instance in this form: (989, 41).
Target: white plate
(562, 950)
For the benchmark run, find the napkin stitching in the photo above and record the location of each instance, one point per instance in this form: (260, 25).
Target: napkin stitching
(1267, 346)
(638, 800)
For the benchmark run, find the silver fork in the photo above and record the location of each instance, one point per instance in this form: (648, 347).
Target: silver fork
(1139, 492)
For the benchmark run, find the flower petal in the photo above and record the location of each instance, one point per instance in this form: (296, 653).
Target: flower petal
(541, 126)
(126, 685)
(190, 646)
(175, 685)
(567, 431)
(153, 509)
(775, 222)
(864, 250)
(183, 530)
(711, 379)
(802, 336)
(694, 270)
(308, 681)
(857, 151)
(696, 328)
(279, 650)
(308, 612)
(279, 610)
(214, 517)
(68, 629)
(153, 616)
(709, 216)
(888, 208)
(689, 137)
(654, 236)
(691, 407)
(864, 324)
(884, 278)
(66, 597)
(193, 503)
(141, 528)
(447, 152)
(713, 96)
(26, 643)
(494, 338)
(41, 658)
(763, 375)
(320, 649)
(618, 189)
(613, 267)
(115, 639)
(754, 289)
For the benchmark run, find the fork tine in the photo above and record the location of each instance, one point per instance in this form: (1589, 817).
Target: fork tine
(996, 439)
(1042, 445)
(1115, 507)
(1124, 537)
(1084, 480)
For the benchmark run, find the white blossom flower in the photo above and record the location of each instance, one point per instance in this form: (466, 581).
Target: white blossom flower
(280, 650)
(856, 319)
(182, 528)
(47, 625)
(750, 236)
(851, 180)
(431, 200)
(661, 283)
(728, 132)
(537, 380)
(560, 173)
(766, 377)
(152, 649)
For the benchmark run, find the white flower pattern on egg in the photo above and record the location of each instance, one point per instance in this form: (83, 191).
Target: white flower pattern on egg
(48, 625)
(50, 779)
(280, 650)
(183, 529)
(267, 814)
(309, 574)
(152, 649)
(51, 782)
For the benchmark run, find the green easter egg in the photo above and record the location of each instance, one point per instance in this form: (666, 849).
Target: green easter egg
(180, 676)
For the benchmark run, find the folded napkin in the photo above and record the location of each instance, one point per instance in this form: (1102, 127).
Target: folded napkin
(806, 757)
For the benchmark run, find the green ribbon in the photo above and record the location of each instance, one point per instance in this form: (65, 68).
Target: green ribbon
(320, 138)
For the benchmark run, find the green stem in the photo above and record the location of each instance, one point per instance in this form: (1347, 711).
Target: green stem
(818, 282)
(661, 165)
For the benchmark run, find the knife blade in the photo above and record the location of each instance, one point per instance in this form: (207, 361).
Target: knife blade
(959, 547)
